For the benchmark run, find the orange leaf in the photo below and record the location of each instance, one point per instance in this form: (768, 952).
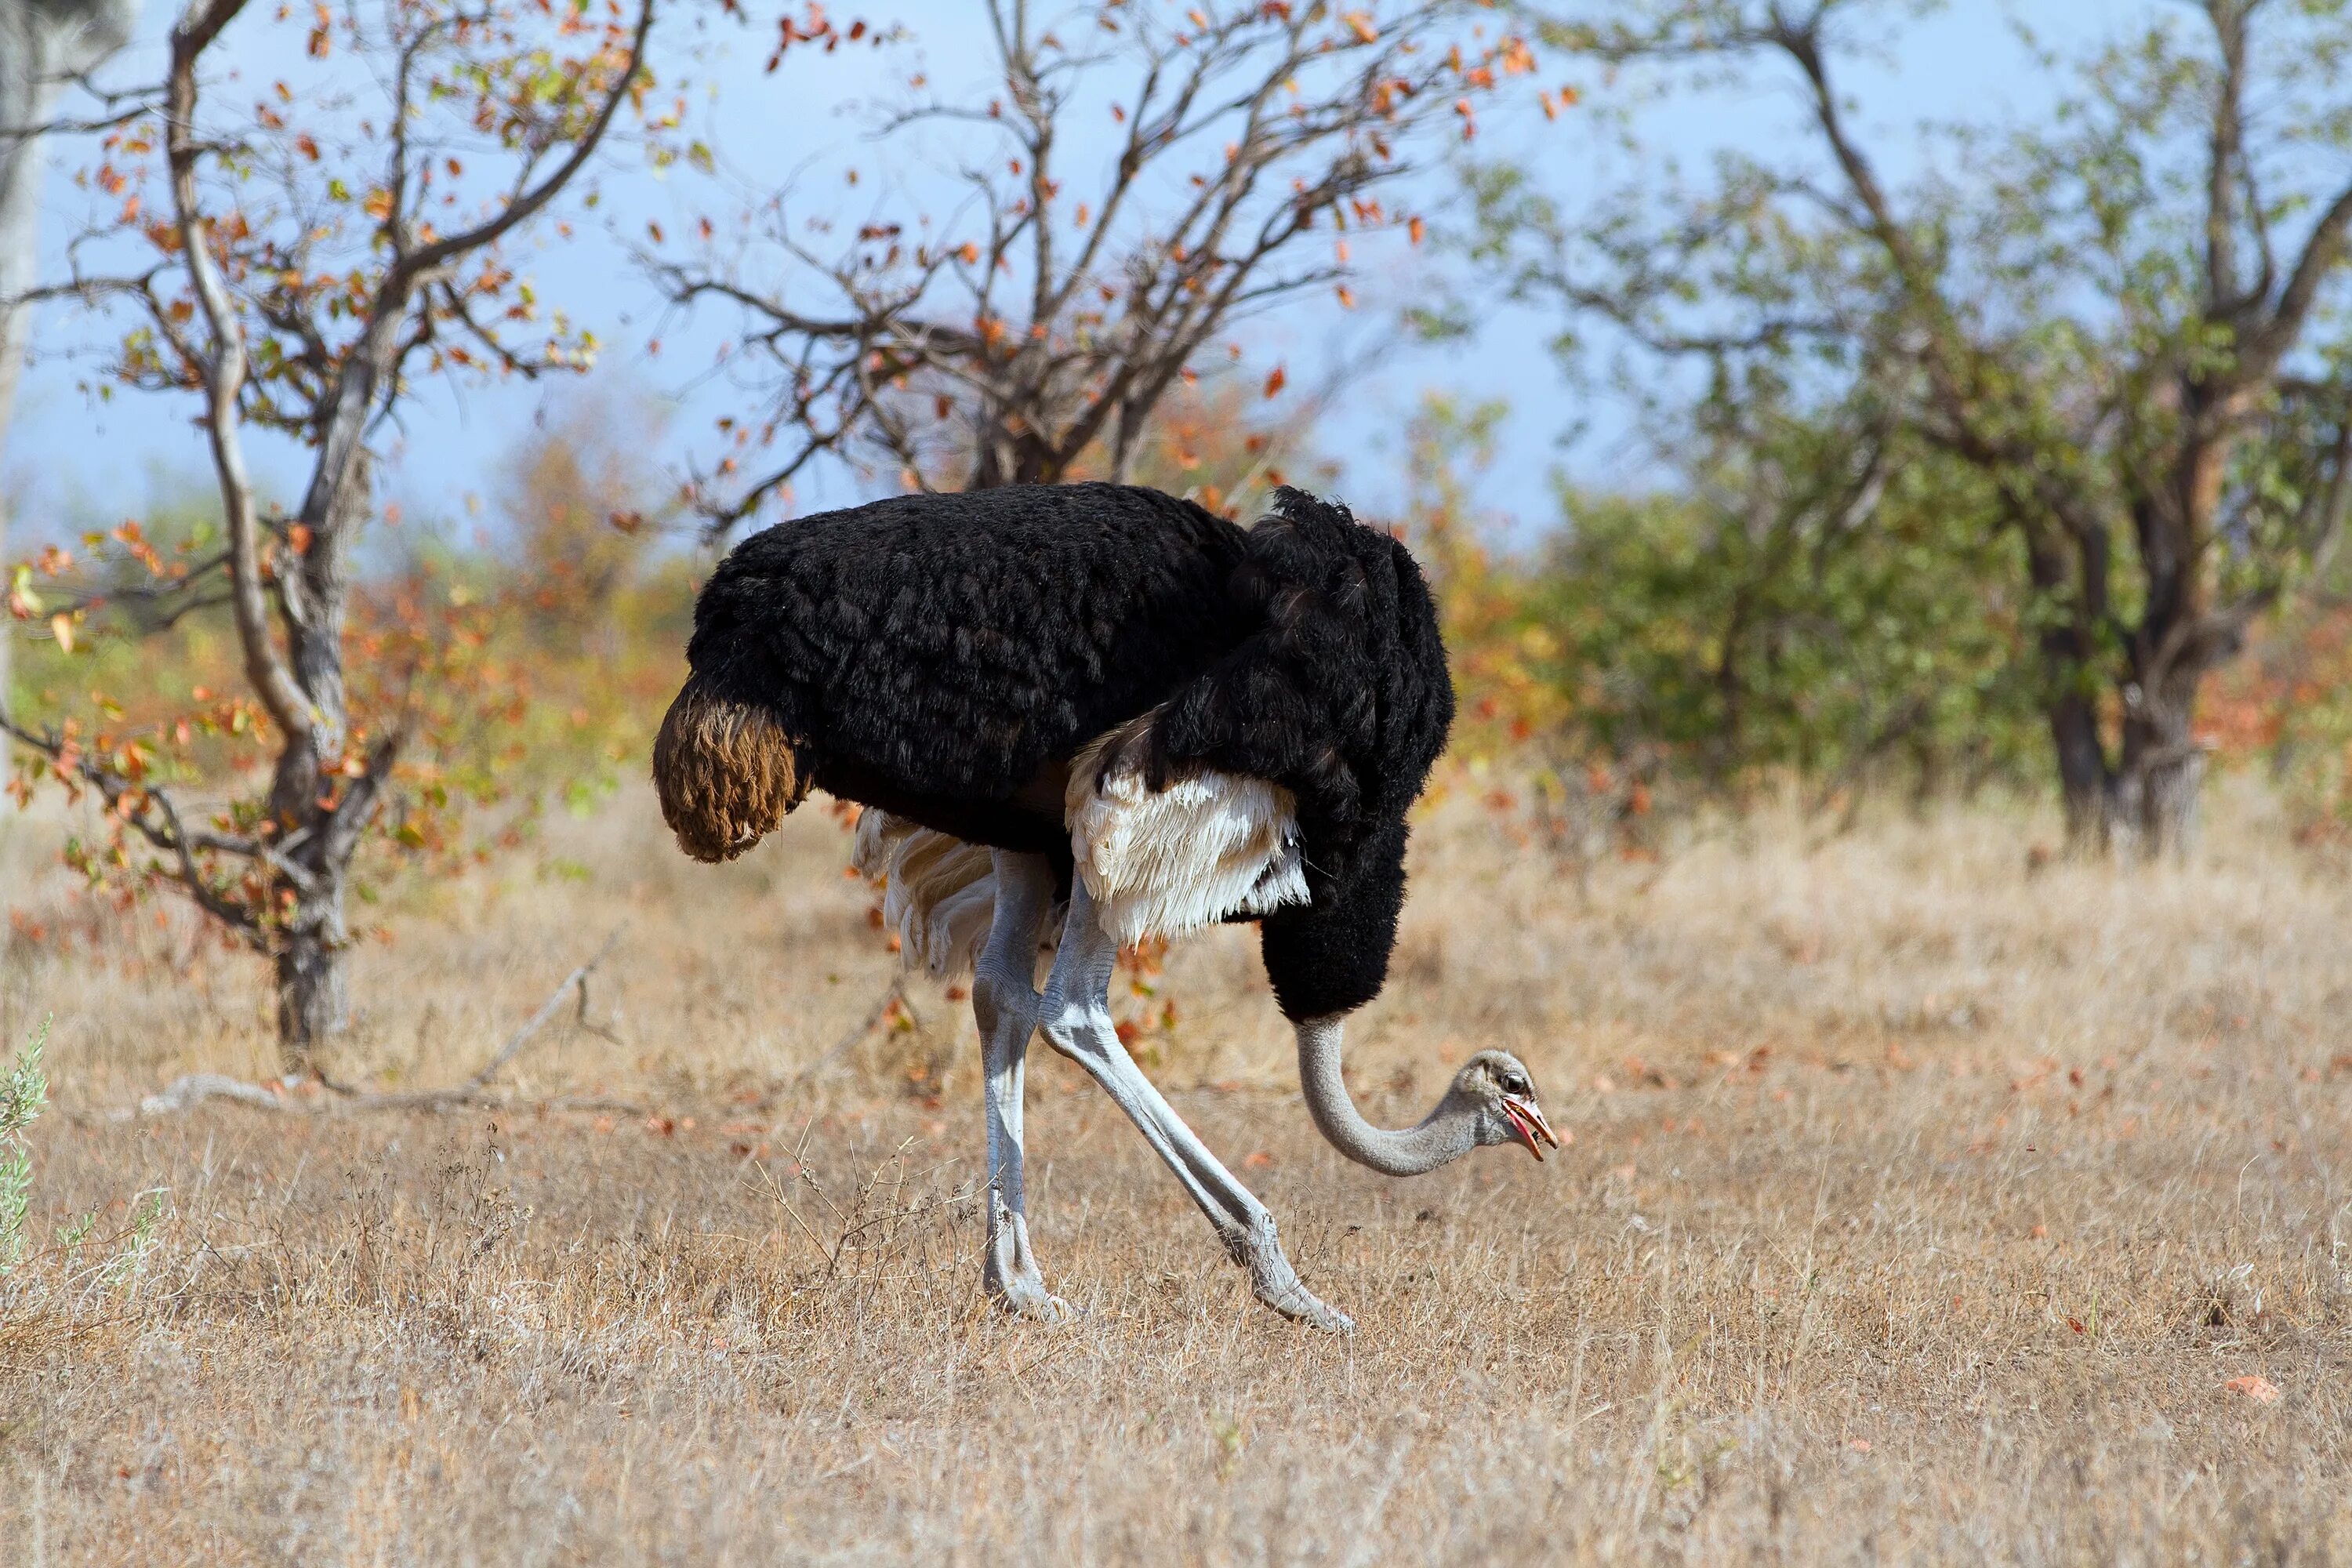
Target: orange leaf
(2259, 1389)
(1416, 228)
(1273, 382)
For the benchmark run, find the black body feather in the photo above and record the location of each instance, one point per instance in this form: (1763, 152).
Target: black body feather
(937, 656)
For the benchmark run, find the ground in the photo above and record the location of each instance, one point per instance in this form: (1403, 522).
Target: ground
(1923, 1206)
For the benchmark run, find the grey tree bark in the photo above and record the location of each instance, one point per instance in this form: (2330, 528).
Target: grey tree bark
(43, 43)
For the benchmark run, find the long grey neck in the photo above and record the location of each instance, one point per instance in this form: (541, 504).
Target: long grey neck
(1445, 1135)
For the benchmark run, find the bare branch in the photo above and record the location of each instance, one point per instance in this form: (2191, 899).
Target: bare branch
(365, 368)
(224, 372)
(1023, 355)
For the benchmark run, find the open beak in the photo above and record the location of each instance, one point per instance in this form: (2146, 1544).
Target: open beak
(1528, 1122)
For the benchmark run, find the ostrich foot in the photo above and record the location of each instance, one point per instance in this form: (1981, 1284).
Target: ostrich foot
(1275, 1283)
(1010, 1277)
(1028, 1299)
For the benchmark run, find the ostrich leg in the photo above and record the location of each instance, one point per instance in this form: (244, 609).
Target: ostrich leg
(1005, 1004)
(1076, 1016)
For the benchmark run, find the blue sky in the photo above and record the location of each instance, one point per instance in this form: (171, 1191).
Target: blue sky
(71, 460)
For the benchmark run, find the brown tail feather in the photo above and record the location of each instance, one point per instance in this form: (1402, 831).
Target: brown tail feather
(727, 772)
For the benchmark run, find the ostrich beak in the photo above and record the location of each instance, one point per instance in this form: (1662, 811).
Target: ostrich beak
(1528, 1122)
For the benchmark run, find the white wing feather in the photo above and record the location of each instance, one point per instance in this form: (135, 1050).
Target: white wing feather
(1168, 862)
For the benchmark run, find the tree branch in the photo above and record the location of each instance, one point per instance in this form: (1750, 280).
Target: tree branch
(224, 372)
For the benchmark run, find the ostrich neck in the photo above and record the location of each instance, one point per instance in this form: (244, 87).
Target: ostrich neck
(1445, 1135)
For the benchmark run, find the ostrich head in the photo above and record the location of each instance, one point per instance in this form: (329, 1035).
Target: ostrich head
(1491, 1100)
(1494, 1095)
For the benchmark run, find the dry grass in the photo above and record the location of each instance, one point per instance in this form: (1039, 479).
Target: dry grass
(1918, 1210)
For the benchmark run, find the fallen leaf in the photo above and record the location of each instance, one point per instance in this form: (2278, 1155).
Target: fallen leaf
(2259, 1389)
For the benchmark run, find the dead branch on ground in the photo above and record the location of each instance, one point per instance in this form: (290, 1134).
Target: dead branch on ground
(191, 1089)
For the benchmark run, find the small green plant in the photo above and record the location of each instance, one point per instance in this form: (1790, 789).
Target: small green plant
(72, 1234)
(23, 1095)
(137, 1242)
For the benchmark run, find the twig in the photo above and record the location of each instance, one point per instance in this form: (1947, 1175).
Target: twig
(521, 1037)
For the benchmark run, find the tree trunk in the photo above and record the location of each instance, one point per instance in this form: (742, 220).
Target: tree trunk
(2068, 568)
(2168, 807)
(2082, 778)
(313, 996)
(314, 1003)
(2158, 786)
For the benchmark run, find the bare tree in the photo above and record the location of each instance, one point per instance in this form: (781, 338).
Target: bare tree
(44, 44)
(321, 256)
(1139, 180)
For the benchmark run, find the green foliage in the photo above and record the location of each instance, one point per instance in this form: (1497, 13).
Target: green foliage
(23, 1095)
(1796, 607)
(1812, 598)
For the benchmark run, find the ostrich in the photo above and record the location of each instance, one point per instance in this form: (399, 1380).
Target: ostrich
(1101, 699)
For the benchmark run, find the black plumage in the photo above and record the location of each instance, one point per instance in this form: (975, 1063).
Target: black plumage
(942, 658)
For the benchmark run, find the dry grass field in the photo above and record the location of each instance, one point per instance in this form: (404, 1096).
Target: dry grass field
(1919, 1209)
